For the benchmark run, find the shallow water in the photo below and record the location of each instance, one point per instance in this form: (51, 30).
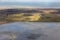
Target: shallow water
(36, 4)
(49, 30)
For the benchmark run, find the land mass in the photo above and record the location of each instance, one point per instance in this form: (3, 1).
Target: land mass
(29, 15)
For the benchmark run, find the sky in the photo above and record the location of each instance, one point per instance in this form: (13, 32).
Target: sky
(29, 0)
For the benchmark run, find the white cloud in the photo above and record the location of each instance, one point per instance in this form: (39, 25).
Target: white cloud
(29, 0)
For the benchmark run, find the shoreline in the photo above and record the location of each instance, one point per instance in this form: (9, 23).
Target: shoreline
(31, 7)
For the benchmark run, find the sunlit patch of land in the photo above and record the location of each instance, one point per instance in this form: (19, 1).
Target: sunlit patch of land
(29, 15)
(35, 17)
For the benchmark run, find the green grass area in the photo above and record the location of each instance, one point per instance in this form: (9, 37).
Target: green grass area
(32, 17)
(42, 17)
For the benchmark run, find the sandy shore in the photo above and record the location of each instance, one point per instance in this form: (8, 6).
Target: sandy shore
(33, 7)
(12, 7)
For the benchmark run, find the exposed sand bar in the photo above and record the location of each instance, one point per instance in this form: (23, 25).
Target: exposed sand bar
(12, 7)
(33, 7)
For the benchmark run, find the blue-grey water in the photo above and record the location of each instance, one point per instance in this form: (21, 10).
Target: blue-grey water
(27, 25)
(36, 4)
(48, 30)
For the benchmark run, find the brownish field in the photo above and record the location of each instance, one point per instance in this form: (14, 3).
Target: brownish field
(29, 15)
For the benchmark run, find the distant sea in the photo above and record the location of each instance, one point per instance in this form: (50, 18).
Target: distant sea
(35, 4)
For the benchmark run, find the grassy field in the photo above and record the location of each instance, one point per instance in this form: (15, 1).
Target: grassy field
(32, 15)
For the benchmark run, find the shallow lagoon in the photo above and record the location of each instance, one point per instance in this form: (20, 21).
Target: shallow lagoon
(49, 30)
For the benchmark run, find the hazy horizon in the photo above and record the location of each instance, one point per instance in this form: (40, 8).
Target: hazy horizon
(35, 4)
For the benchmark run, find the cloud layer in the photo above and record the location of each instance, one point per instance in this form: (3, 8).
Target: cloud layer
(29, 0)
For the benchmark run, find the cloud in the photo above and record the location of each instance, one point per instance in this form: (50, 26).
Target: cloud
(29, 0)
